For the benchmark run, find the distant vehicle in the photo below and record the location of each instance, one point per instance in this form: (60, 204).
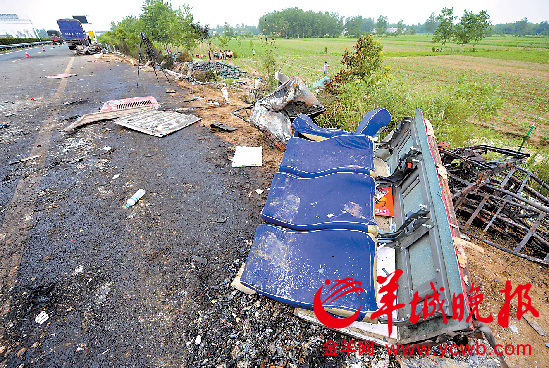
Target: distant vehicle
(73, 33)
(55, 37)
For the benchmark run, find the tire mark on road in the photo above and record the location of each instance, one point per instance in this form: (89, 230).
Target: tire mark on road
(18, 217)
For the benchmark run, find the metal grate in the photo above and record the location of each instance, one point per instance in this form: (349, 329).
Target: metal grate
(128, 103)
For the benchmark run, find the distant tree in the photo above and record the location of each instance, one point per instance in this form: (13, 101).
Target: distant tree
(430, 24)
(412, 30)
(296, 23)
(445, 29)
(368, 26)
(521, 26)
(400, 27)
(542, 28)
(353, 26)
(203, 32)
(381, 25)
(472, 27)
(228, 31)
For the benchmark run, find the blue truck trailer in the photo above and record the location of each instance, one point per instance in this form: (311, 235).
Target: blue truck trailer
(73, 33)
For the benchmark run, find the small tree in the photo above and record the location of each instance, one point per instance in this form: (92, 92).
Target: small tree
(472, 28)
(381, 25)
(445, 29)
(400, 27)
(364, 64)
(431, 23)
(480, 27)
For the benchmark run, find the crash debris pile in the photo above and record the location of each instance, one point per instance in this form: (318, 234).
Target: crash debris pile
(494, 194)
(273, 113)
(92, 49)
(221, 69)
(322, 252)
(138, 113)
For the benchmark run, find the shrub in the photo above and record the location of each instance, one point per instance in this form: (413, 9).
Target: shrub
(184, 56)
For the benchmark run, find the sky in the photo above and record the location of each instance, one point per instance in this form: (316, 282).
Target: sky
(101, 13)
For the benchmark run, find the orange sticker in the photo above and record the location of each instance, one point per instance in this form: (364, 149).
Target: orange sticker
(384, 202)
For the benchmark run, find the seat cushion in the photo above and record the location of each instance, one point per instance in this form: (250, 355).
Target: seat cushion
(291, 266)
(342, 200)
(348, 152)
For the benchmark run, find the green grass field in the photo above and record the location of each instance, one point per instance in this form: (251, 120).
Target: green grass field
(518, 66)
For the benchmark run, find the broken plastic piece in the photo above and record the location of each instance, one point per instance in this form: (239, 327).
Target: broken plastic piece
(41, 318)
(247, 156)
(61, 76)
(134, 198)
(373, 121)
(223, 127)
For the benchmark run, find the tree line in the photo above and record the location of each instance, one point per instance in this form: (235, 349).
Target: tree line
(297, 23)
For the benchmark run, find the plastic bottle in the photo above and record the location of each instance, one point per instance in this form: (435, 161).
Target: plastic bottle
(134, 198)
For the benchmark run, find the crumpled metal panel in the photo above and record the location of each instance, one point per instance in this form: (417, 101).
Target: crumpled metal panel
(275, 111)
(157, 123)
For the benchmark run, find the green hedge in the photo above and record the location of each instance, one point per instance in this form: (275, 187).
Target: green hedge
(9, 41)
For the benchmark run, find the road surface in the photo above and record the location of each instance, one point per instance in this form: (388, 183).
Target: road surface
(146, 286)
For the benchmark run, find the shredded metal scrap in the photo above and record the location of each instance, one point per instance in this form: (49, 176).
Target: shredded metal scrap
(501, 198)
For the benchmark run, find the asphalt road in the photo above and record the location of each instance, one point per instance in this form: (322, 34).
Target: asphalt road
(146, 286)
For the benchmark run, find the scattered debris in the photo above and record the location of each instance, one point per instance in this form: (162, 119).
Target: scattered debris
(247, 156)
(80, 100)
(535, 325)
(225, 94)
(259, 191)
(221, 69)
(4, 125)
(94, 48)
(61, 76)
(157, 123)
(25, 159)
(104, 115)
(41, 318)
(102, 292)
(134, 198)
(128, 103)
(499, 196)
(221, 126)
(273, 113)
(78, 270)
(199, 259)
(311, 232)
